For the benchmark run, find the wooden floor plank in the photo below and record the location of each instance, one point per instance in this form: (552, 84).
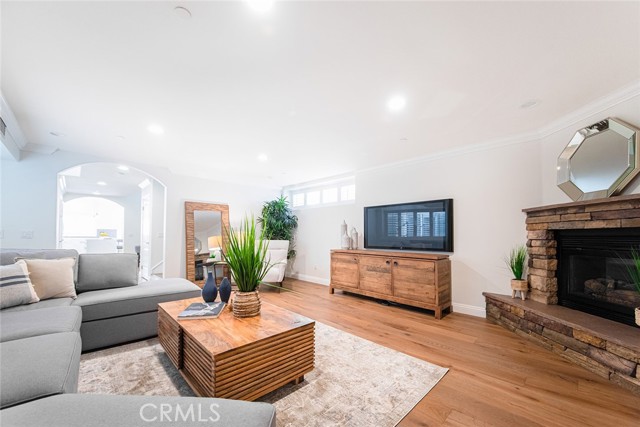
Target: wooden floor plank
(496, 378)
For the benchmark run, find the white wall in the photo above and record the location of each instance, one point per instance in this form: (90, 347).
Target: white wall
(132, 214)
(157, 226)
(489, 189)
(28, 201)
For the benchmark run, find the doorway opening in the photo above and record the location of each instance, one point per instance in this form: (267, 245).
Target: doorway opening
(111, 208)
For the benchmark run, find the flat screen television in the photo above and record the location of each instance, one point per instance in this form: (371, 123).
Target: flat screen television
(418, 226)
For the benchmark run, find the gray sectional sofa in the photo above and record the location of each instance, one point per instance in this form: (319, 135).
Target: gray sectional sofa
(115, 308)
(41, 343)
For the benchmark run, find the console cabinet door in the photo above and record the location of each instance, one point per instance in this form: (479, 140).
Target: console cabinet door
(375, 274)
(414, 280)
(344, 271)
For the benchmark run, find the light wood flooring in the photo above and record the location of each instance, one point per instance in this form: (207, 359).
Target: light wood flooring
(495, 377)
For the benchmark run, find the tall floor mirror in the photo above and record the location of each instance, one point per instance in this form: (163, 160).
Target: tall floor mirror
(205, 237)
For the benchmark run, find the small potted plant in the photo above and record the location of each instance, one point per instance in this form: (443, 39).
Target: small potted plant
(516, 262)
(245, 254)
(634, 273)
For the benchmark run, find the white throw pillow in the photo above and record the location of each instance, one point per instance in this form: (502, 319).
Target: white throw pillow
(52, 278)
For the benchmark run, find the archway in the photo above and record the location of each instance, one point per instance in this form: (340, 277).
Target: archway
(90, 197)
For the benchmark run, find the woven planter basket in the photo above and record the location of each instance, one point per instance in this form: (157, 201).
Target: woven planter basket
(246, 304)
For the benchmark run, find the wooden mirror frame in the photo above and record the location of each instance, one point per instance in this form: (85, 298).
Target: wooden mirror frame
(189, 208)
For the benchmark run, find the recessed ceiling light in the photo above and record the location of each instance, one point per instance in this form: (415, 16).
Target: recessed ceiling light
(101, 183)
(397, 103)
(182, 12)
(57, 134)
(155, 129)
(260, 6)
(123, 168)
(263, 157)
(529, 104)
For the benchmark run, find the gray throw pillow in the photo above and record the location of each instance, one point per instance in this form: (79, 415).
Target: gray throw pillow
(15, 286)
(106, 271)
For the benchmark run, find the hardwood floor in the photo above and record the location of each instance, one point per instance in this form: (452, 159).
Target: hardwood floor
(495, 377)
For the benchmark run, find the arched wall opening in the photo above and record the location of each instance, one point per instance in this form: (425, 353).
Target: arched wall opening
(110, 207)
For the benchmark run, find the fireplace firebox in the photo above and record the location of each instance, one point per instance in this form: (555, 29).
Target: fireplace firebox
(593, 272)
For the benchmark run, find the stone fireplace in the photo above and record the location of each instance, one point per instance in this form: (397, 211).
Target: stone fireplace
(578, 257)
(590, 237)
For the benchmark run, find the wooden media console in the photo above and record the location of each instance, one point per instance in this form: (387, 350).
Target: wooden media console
(415, 279)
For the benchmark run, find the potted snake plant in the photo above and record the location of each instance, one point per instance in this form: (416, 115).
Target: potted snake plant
(245, 254)
(516, 261)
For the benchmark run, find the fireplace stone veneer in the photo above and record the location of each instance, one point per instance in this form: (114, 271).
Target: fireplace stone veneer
(609, 349)
(542, 222)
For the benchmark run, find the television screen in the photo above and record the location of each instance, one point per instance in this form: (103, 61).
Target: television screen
(422, 226)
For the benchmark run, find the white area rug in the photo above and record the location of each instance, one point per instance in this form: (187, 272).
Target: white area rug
(355, 382)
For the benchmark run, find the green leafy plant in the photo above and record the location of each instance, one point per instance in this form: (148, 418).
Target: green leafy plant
(245, 253)
(634, 270)
(516, 261)
(279, 223)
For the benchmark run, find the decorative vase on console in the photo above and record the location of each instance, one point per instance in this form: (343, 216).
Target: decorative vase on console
(346, 241)
(354, 238)
(209, 291)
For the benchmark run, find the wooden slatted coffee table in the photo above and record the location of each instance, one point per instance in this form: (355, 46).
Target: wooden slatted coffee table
(237, 358)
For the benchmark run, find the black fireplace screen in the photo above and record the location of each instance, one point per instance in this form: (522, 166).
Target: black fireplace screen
(593, 272)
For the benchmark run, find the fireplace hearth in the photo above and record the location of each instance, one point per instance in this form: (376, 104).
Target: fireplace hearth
(593, 272)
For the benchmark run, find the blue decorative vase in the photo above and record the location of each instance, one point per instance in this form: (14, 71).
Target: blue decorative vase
(225, 290)
(209, 291)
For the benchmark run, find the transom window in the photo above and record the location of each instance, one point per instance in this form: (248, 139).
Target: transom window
(323, 193)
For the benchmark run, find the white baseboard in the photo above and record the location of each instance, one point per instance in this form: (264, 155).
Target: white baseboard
(312, 279)
(471, 310)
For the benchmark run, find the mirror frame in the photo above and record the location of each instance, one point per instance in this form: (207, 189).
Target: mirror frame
(189, 208)
(564, 160)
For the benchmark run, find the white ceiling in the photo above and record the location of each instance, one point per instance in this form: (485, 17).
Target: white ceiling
(307, 83)
(84, 180)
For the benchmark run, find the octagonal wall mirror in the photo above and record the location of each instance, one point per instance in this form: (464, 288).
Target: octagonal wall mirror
(599, 161)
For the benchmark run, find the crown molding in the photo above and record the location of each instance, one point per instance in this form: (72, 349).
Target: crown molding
(598, 106)
(593, 108)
